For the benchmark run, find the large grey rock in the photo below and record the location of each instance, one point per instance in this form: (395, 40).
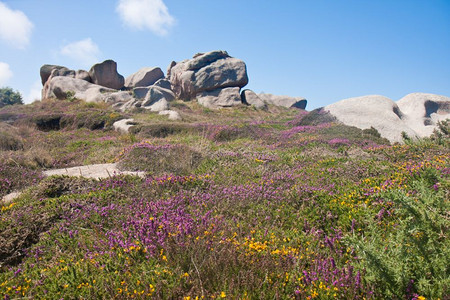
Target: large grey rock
(285, 101)
(105, 74)
(124, 125)
(157, 99)
(250, 98)
(157, 105)
(62, 72)
(46, 71)
(59, 87)
(164, 83)
(219, 98)
(49, 71)
(156, 92)
(423, 111)
(117, 97)
(144, 77)
(372, 111)
(84, 75)
(172, 115)
(58, 72)
(140, 92)
(206, 72)
(133, 103)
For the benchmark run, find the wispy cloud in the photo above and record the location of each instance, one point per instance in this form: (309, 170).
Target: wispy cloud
(146, 14)
(5, 73)
(85, 52)
(15, 27)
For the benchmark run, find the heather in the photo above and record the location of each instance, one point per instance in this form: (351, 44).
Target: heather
(236, 203)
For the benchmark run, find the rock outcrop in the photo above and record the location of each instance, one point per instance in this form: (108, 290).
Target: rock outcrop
(285, 101)
(46, 71)
(214, 79)
(171, 114)
(423, 111)
(61, 87)
(206, 74)
(124, 125)
(226, 97)
(105, 74)
(144, 77)
(249, 97)
(415, 114)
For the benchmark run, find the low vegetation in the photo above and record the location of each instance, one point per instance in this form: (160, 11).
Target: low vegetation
(237, 203)
(9, 97)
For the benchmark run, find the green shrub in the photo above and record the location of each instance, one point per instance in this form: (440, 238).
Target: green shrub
(441, 134)
(9, 97)
(372, 132)
(412, 257)
(316, 117)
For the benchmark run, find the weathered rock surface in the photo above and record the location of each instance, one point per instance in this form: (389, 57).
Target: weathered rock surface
(46, 71)
(124, 125)
(219, 98)
(206, 72)
(249, 97)
(97, 171)
(372, 111)
(164, 83)
(62, 72)
(423, 111)
(105, 74)
(59, 87)
(173, 115)
(144, 77)
(285, 101)
(117, 98)
(84, 75)
(157, 105)
(10, 197)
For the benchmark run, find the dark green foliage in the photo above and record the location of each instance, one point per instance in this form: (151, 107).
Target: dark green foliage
(9, 97)
(416, 253)
(441, 134)
(372, 131)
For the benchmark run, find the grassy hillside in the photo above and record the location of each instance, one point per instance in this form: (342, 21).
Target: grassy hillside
(237, 203)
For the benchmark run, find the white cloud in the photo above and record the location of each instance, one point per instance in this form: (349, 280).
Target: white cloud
(15, 27)
(146, 14)
(34, 92)
(5, 73)
(85, 52)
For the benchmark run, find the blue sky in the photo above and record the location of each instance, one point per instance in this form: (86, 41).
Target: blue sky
(323, 50)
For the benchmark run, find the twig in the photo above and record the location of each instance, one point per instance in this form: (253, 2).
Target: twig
(199, 278)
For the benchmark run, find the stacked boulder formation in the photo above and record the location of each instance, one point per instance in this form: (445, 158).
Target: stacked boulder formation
(213, 79)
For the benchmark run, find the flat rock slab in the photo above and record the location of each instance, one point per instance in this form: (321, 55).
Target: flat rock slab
(97, 171)
(10, 197)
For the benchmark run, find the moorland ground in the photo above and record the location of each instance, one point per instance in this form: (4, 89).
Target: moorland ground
(236, 203)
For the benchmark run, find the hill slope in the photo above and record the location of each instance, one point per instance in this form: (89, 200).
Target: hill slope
(236, 203)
